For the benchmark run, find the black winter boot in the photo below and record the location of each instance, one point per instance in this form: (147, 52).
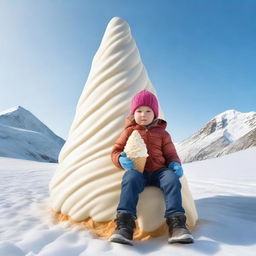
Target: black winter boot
(178, 232)
(125, 224)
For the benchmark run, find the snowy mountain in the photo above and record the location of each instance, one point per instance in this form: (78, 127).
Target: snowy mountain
(223, 189)
(24, 136)
(227, 132)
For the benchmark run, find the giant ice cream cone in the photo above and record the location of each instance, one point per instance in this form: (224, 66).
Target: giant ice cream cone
(136, 150)
(85, 188)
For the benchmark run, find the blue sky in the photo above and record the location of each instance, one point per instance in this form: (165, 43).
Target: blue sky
(200, 55)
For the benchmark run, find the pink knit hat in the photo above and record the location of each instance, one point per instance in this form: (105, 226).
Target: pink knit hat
(144, 98)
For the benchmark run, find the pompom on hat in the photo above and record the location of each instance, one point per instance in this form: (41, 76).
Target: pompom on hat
(144, 98)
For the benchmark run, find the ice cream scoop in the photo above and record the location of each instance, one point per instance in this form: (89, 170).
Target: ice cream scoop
(136, 150)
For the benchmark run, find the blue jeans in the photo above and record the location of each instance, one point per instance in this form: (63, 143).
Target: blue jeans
(134, 182)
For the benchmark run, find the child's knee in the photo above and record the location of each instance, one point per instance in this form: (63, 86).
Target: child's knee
(171, 178)
(133, 177)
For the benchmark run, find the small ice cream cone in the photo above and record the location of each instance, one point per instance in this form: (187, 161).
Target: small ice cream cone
(139, 163)
(136, 150)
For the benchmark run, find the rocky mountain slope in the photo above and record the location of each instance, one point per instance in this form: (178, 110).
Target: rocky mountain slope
(227, 132)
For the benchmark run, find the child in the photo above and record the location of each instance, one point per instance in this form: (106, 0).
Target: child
(163, 169)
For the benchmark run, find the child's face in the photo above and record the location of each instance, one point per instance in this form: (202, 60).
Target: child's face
(143, 115)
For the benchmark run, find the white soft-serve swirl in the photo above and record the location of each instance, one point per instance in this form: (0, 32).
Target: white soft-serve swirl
(135, 146)
(86, 183)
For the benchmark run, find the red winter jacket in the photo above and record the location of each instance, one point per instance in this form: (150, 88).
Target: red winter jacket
(161, 150)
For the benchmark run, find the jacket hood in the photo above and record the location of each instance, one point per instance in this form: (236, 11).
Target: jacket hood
(130, 122)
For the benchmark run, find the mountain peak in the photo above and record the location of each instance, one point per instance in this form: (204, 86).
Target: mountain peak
(223, 119)
(21, 118)
(228, 115)
(13, 109)
(23, 135)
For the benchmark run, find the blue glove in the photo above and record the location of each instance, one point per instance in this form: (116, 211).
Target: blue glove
(126, 162)
(177, 168)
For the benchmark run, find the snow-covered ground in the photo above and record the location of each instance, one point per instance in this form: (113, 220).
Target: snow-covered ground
(224, 190)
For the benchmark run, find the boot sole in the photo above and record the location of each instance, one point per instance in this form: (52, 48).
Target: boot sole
(116, 238)
(184, 239)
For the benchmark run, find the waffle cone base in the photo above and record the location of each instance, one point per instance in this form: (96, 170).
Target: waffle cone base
(139, 163)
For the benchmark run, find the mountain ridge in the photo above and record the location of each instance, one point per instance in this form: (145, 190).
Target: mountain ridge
(24, 136)
(227, 132)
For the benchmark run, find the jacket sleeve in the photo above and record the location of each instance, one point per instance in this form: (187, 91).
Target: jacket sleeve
(119, 147)
(169, 150)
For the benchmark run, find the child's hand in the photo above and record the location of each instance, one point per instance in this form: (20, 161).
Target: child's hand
(177, 168)
(126, 162)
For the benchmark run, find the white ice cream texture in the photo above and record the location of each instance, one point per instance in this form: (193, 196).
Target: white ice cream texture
(135, 146)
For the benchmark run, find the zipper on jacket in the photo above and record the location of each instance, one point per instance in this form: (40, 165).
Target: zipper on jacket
(147, 133)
